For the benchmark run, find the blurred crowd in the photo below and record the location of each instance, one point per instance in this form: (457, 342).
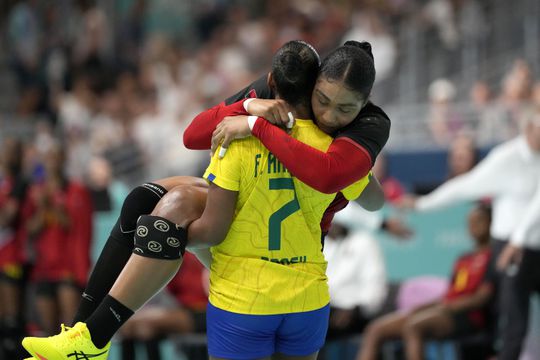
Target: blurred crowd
(488, 116)
(110, 79)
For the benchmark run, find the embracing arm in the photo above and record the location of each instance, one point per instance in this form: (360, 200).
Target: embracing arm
(213, 225)
(198, 134)
(341, 165)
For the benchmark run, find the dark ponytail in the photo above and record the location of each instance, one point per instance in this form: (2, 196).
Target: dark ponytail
(351, 63)
(294, 70)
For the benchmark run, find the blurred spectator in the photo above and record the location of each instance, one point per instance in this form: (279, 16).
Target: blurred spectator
(12, 256)
(368, 26)
(462, 157)
(75, 110)
(472, 22)
(107, 195)
(93, 37)
(356, 275)
(132, 32)
(58, 220)
(441, 15)
(188, 314)
(462, 311)
(175, 159)
(515, 93)
(24, 35)
(444, 122)
(106, 127)
(492, 122)
(480, 95)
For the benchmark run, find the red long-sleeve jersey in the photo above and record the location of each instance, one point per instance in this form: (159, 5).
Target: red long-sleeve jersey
(62, 252)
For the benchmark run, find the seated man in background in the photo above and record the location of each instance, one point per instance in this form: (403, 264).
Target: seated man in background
(356, 274)
(190, 290)
(462, 311)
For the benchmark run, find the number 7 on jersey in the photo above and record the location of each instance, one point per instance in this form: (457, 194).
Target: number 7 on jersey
(274, 223)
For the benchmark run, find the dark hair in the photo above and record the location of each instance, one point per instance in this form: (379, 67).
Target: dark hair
(294, 70)
(351, 63)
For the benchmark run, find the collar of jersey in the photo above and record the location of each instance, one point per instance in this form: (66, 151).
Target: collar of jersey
(303, 121)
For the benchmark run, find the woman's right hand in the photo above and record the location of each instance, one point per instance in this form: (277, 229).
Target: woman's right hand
(274, 111)
(231, 128)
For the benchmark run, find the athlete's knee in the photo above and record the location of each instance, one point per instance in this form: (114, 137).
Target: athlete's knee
(159, 238)
(414, 326)
(140, 201)
(182, 204)
(373, 331)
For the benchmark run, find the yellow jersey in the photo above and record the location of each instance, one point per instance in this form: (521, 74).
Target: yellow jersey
(271, 261)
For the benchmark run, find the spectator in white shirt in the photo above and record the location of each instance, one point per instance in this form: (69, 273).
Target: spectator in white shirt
(356, 274)
(510, 175)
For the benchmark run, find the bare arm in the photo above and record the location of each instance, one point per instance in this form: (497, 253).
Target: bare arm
(372, 198)
(213, 225)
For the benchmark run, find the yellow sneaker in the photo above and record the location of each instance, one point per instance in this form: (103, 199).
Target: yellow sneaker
(71, 344)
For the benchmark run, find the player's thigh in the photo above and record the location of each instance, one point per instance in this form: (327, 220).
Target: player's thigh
(387, 326)
(174, 181)
(69, 296)
(10, 296)
(182, 204)
(432, 322)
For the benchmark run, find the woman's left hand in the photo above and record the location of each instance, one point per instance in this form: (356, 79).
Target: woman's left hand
(231, 128)
(511, 254)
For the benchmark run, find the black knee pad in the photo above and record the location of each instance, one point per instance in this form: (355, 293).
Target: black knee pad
(159, 238)
(140, 201)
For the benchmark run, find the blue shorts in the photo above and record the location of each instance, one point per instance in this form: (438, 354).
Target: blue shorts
(245, 337)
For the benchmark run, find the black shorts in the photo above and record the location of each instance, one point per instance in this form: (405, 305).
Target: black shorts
(47, 288)
(463, 325)
(20, 279)
(199, 321)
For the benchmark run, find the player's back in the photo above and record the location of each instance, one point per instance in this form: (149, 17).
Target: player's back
(271, 260)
